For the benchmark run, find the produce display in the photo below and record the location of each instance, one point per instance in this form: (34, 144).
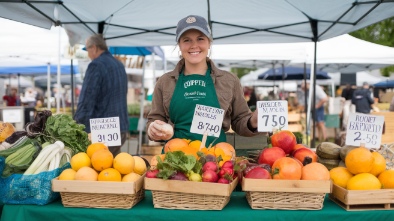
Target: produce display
(98, 164)
(191, 160)
(364, 170)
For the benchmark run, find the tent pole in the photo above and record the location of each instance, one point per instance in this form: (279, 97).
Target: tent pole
(19, 83)
(49, 86)
(314, 96)
(58, 75)
(141, 123)
(306, 106)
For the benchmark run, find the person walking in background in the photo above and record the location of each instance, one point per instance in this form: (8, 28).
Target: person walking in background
(362, 99)
(318, 115)
(347, 92)
(104, 89)
(12, 99)
(348, 107)
(177, 92)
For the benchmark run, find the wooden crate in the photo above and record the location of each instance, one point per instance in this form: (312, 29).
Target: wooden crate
(99, 194)
(189, 195)
(355, 200)
(387, 136)
(286, 194)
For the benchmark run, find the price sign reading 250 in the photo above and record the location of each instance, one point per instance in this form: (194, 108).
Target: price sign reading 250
(107, 138)
(366, 139)
(364, 129)
(272, 115)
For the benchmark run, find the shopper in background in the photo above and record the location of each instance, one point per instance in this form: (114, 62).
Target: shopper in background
(175, 98)
(104, 89)
(318, 115)
(12, 99)
(362, 99)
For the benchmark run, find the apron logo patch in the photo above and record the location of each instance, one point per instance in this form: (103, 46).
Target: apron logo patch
(194, 83)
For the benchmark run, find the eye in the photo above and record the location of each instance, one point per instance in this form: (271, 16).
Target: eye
(201, 38)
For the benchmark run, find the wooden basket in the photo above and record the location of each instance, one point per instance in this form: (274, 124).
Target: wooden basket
(189, 195)
(355, 200)
(286, 194)
(99, 194)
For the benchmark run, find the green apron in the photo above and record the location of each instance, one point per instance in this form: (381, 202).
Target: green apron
(189, 91)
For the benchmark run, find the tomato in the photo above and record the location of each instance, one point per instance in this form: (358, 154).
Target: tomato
(286, 168)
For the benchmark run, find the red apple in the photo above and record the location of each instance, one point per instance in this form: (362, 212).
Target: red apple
(152, 173)
(210, 166)
(209, 176)
(284, 139)
(270, 155)
(301, 153)
(258, 173)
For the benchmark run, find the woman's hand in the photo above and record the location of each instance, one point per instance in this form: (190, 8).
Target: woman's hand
(159, 130)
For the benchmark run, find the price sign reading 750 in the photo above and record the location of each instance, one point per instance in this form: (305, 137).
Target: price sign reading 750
(272, 114)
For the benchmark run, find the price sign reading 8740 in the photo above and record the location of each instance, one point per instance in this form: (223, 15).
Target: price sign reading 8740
(207, 119)
(364, 128)
(106, 130)
(272, 114)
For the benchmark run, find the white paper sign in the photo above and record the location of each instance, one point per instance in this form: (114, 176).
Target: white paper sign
(272, 114)
(207, 119)
(106, 130)
(12, 115)
(364, 128)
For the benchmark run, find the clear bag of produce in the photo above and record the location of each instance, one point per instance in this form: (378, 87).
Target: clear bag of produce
(28, 189)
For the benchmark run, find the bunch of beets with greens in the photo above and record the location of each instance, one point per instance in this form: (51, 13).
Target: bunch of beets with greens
(177, 166)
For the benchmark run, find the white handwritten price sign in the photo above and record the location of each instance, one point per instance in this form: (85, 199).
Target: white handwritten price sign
(364, 128)
(207, 119)
(106, 130)
(272, 114)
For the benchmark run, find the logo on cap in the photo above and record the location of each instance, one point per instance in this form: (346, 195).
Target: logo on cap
(190, 20)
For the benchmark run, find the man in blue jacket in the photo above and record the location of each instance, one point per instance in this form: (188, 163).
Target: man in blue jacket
(104, 89)
(362, 99)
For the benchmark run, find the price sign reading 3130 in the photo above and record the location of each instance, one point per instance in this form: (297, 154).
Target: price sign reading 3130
(272, 114)
(106, 130)
(364, 128)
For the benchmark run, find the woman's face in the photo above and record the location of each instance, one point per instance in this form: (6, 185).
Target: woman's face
(194, 46)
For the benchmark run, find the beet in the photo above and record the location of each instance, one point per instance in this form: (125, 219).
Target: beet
(210, 158)
(179, 176)
(254, 165)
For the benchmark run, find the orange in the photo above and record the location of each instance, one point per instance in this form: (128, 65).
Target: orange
(102, 159)
(131, 177)
(340, 176)
(386, 178)
(124, 163)
(109, 174)
(95, 147)
(187, 140)
(379, 164)
(86, 173)
(359, 160)
(315, 171)
(139, 165)
(175, 144)
(67, 174)
(227, 148)
(363, 181)
(80, 160)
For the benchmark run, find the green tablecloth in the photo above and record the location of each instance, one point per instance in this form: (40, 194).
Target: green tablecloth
(238, 209)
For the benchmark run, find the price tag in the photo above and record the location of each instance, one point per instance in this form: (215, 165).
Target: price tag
(272, 114)
(106, 130)
(12, 115)
(364, 128)
(207, 119)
